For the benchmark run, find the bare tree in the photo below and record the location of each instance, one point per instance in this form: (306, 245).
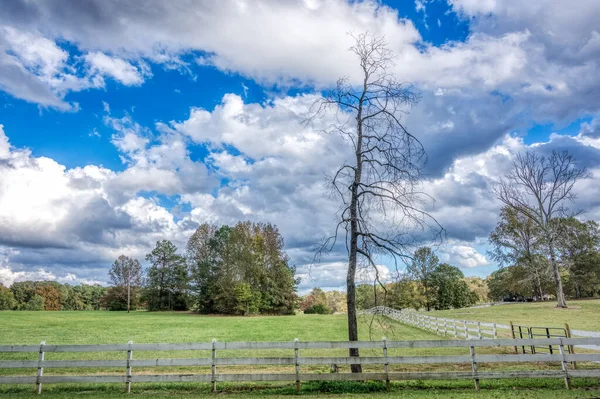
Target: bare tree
(379, 188)
(539, 187)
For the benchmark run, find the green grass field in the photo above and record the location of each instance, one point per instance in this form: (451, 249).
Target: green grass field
(144, 327)
(581, 315)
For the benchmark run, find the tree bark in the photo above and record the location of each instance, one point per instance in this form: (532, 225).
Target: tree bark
(352, 259)
(352, 320)
(560, 296)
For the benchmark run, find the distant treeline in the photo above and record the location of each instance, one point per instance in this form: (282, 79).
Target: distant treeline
(427, 284)
(228, 270)
(50, 295)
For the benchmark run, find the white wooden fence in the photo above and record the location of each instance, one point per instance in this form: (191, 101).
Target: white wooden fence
(465, 329)
(128, 363)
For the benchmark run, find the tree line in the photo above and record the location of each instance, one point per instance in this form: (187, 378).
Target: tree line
(227, 270)
(239, 269)
(51, 295)
(427, 284)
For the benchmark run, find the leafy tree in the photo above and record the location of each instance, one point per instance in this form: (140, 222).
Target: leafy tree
(336, 301)
(517, 240)
(479, 289)
(315, 297)
(126, 277)
(407, 293)
(35, 303)
(450, 288)
(167, 282)
(23, 291)
(577, 246)
(241, 270)
(7, 299)
(423, 265)
(539, 188)
(51, 294)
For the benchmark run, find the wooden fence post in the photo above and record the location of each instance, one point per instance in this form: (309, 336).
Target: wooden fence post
(474, 367)
(445, 327)
(466, 329)
(128, 370)
(297, 365)
(479, 329)
(495, 331)
(386, 365)
(512, 332)
(571, 347)
(40, 372)
(564, 365)
(213, 380)
(454, 328)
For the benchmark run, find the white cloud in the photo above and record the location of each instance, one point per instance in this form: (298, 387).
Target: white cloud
(463, 256)
(114, 67)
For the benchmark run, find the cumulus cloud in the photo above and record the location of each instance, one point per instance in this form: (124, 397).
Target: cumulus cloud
(114, 67)
(523, 62)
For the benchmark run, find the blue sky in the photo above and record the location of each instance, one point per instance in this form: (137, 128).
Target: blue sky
(122, 127)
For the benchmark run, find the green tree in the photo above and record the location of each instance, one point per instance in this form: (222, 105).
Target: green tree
(167, 282)
(449, 288)
(7, 299)
(538, 188)
(35, 303)
(577, 246)
(517, 240)
(241, 269)
(23, 292)
(422, 266)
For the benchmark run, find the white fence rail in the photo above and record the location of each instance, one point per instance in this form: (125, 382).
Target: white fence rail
(465, 329)
(128, 363)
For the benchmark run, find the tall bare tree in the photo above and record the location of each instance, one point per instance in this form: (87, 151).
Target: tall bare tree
(379, 188)
(539, 187)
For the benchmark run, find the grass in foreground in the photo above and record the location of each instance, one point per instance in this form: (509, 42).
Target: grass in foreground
(581, 315)
(533, 389)
(144, 327)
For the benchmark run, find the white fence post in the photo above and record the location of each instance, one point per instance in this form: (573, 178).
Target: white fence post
(479, 329)
(386, 365)
(128, 370)
(495, 331)
(564, 365)
(40, 371)
(466, 329)
(474, 367)
(297, 365)
(213, 380)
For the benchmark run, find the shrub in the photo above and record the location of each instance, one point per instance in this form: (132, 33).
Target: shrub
(317, 309)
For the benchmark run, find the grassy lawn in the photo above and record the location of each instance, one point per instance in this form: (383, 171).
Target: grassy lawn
(582, 315)
(143, 327)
